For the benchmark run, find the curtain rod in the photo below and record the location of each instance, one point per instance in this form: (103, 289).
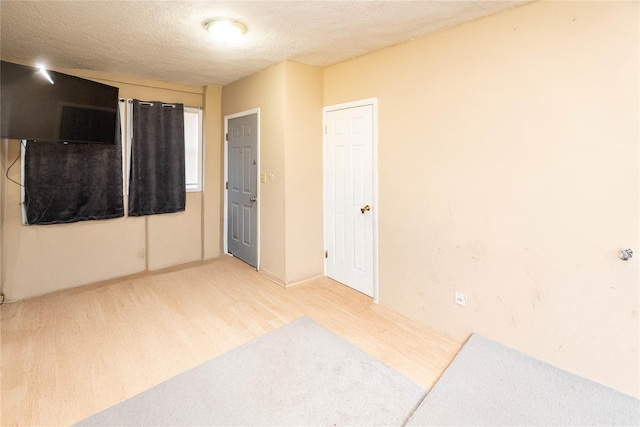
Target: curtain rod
(130, 101)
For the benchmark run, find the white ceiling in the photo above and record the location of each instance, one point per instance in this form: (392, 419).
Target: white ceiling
(165, 40)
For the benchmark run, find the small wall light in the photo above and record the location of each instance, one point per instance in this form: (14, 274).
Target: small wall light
(225, 30)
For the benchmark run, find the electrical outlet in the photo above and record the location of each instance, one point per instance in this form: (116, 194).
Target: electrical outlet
(461, 299)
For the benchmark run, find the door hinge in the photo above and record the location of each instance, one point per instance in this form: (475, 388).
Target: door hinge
(226, 136)
(226, 185)
(325, 129)
(326, 254)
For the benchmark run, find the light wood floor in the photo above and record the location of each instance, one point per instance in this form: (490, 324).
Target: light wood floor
(68, 355)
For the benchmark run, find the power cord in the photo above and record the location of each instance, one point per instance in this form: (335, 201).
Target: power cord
(26, 192)
(13, 163)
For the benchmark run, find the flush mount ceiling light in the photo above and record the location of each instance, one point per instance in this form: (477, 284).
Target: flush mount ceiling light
(225, 30)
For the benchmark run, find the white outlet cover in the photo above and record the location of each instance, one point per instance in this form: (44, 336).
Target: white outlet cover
(461, 299)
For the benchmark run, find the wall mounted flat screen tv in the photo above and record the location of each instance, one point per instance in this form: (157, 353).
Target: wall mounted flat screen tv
(69, 110)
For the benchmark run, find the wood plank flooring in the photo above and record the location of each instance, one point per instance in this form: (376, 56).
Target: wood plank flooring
(68, 355)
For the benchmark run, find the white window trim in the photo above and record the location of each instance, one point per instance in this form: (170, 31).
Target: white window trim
(191, 188)
(125, 140)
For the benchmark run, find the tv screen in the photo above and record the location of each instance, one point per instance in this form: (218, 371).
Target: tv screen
(71, 109)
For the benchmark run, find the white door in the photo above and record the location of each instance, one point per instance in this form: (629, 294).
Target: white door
(349, 197)
(242, 164)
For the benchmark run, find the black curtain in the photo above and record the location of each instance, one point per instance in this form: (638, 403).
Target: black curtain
(73, 182)
(157, 183)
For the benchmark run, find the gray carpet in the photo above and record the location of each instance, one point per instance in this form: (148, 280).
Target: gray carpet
(490, 384)
(300, 374)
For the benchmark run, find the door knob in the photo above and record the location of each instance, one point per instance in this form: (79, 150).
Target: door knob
(253, 199)
(365, 208)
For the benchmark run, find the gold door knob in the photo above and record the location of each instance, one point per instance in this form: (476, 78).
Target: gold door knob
(365, 208)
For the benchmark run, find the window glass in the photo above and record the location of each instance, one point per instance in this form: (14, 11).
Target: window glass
(193, 148)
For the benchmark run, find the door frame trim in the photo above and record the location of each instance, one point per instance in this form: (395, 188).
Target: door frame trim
(225, 248)
(373, 102)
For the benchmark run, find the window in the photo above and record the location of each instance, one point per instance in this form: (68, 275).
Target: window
(193, 152)
(72, 182)
(193, 148)
(157, 179)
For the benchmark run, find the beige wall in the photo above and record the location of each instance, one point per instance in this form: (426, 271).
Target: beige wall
(289, 96)
(175, 238)
(43, 259)
(508, 170)
(264, 90)
(303, 163)
(212, 204)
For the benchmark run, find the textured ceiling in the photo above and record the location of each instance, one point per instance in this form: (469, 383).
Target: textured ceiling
(165, 40)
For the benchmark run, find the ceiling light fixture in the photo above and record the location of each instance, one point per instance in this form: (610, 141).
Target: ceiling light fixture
(225, 30)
